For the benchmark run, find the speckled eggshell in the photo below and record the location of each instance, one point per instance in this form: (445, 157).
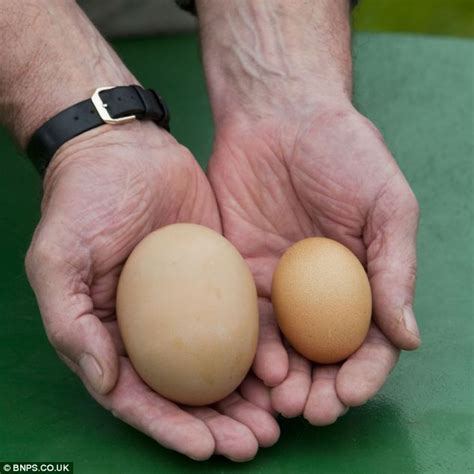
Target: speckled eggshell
(322, 299)
(188, 315)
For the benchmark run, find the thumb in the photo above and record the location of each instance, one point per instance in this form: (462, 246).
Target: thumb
(67, 312)
(391, 263)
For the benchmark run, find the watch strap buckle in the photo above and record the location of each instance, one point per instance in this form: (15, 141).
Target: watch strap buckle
(101, 109)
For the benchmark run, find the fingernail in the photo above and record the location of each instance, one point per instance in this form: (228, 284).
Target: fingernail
(344, 412)
(410, 321)
(195, 458)
(92, 370)
(240, 460)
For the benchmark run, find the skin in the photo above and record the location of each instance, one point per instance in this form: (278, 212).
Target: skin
(271, 196)
(292, 159)
(103, 192)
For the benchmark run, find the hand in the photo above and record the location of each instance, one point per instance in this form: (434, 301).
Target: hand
(282, 178)
(103, 192)
(293, 159)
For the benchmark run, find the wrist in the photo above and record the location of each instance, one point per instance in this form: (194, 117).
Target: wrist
(275, 57)
(37, 82)
(112, 146)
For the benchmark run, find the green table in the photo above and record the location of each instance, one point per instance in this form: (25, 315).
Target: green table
(419, 92)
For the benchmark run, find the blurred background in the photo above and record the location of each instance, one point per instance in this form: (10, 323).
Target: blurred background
(120, 18)
(432, 17)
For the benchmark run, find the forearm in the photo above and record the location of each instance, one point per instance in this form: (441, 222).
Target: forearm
(275, 54)
(52, 57)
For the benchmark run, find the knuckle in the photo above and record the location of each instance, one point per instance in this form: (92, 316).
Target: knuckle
(56, 337)
(44, 253)
(40, 250)
(29, 265)
(412, 204)
(411, 273)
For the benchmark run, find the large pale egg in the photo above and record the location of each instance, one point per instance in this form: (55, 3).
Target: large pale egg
(322, 299)
(188, 315)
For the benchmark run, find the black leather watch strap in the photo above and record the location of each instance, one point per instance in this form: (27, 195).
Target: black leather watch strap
(108, 105)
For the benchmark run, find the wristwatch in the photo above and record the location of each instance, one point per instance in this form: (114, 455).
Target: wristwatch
(112, 105)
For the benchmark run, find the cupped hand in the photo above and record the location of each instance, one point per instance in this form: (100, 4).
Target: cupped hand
(281, 179)
(103, 192)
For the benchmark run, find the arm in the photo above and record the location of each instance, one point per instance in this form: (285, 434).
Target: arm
(103, 192)
(274, 56)
(293, 158)
(52, 57)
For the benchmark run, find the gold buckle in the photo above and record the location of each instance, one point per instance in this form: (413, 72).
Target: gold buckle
(102, 109)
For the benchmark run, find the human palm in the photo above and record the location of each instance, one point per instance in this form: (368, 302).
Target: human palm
(329, 175)
(104, 192)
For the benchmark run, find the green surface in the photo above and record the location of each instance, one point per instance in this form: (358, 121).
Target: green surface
(419, 92)
(435, 17)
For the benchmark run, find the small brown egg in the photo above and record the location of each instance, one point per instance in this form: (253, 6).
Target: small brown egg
(322, 299)
(188, 315)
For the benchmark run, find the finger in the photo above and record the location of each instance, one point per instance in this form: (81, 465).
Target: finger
(260, 422)
(271, 359)
(113, 329)
(391, 264)
(136, 404)
(232, 439)
(67, 315)
(364, 373)
(257, 393)
(323, 406)
(290, 396)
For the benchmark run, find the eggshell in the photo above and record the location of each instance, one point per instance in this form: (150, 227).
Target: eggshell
(188, 315)
(321, 296)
